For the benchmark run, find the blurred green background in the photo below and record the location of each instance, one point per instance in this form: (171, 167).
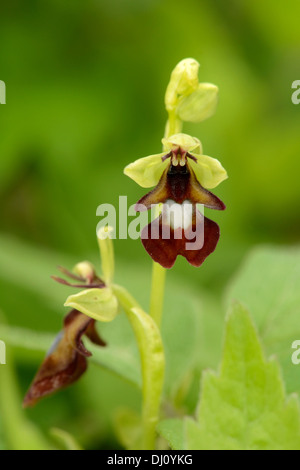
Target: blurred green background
(85, 89)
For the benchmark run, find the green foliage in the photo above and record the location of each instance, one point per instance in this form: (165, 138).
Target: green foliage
(192, 329)
(67, 440)
(268, 283)
(128, 428)
(19, 433)
(243, 407)
(173, 430)
(254, 409)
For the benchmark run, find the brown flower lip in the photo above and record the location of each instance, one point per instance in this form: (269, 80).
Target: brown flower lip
(94, 282)
(165, 250)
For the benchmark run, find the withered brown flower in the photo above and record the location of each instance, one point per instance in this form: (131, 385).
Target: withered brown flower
(66, 360)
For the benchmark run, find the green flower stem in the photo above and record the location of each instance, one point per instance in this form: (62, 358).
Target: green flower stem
(107, 253)
(173, 126)
(157, 292)
(152, 362)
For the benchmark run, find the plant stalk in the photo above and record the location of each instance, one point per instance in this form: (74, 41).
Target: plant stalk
(152, 363)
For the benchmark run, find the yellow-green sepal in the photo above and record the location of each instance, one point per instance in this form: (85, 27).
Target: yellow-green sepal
(147, 171)
(209, 171)
(99, 304)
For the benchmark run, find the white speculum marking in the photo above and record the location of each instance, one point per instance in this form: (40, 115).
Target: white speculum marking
(177, 215)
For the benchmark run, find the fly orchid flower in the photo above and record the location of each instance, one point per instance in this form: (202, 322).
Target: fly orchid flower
(66, 360)
(181, 175)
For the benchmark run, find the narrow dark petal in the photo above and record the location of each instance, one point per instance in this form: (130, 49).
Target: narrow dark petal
(62, 281)
(168, 155)
(70, 274)
(191, 157)
(93, 281)
(98, 284)
(181, 242)
(66, 360)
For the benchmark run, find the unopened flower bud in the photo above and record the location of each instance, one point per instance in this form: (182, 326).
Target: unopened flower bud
(183, 81)
(86, 270)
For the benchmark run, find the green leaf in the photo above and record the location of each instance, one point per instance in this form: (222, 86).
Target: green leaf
(25, 338)
(269, 285)
(128, 427)
(244, 406)
(99, 304)
(173, 431)
(18, 432)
